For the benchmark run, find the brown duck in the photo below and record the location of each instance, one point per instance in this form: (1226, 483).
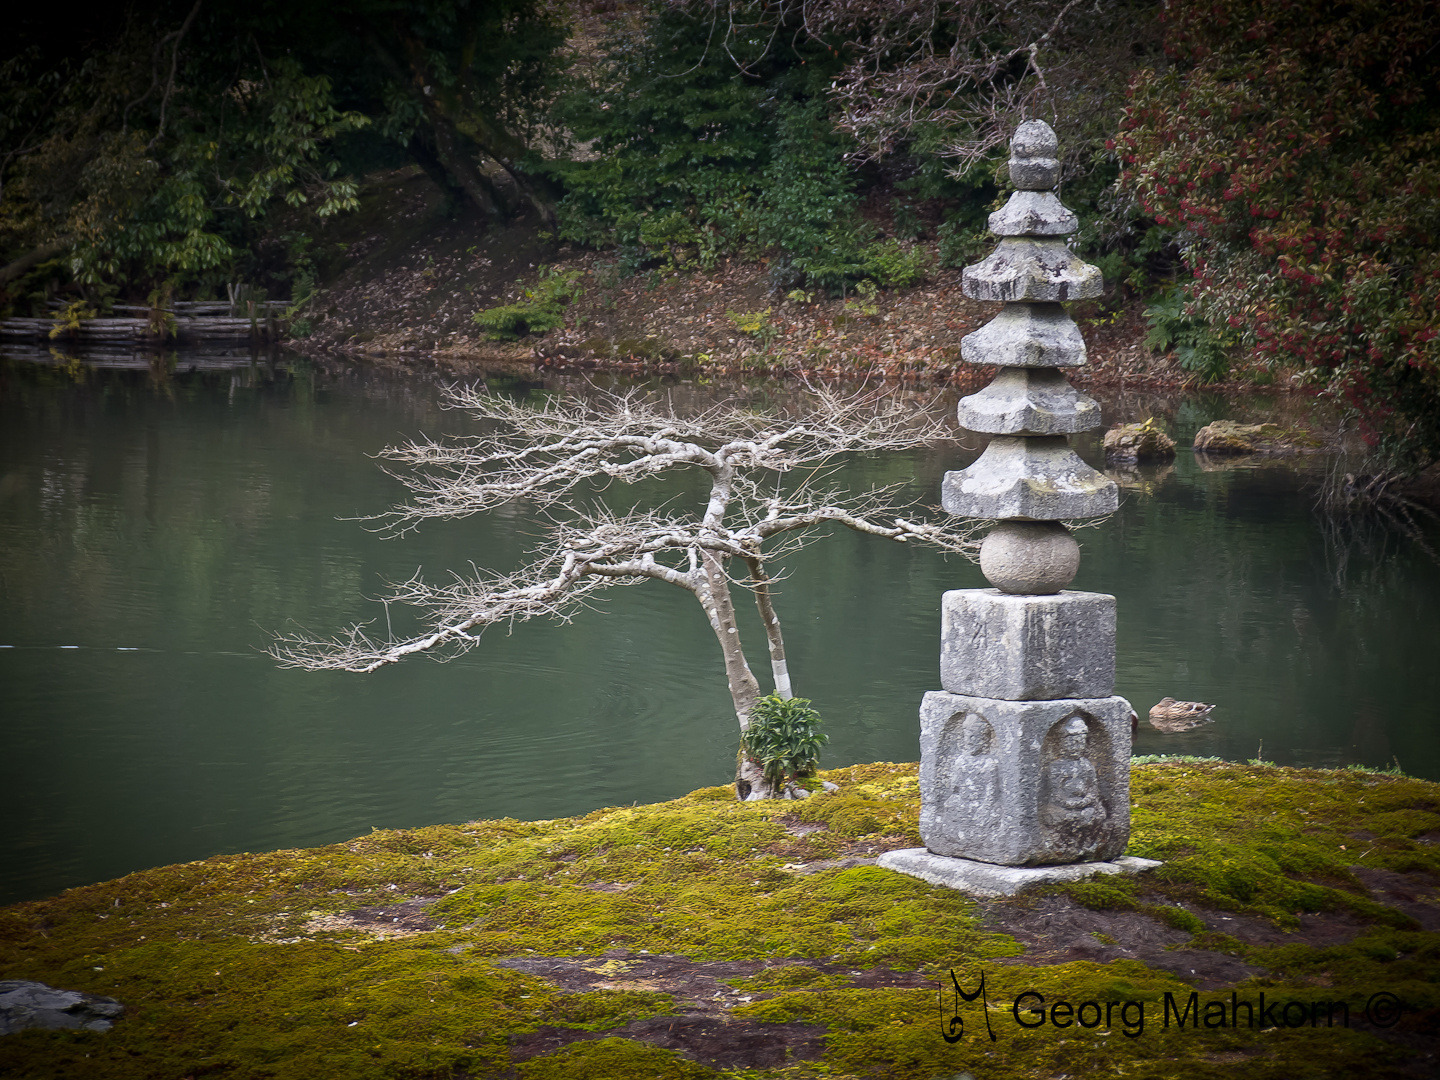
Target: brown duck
(1173, 716)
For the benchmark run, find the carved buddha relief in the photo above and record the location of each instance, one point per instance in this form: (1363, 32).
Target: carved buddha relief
(972, 775)
(1070, 787)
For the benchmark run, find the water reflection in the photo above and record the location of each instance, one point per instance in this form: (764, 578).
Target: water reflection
(157, 522)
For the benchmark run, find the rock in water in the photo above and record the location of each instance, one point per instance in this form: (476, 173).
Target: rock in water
(25, 1004)
(1230, 437)
(1135, 443)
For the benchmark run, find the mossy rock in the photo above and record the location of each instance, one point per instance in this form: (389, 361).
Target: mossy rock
(1230, 437)
(1138, 443)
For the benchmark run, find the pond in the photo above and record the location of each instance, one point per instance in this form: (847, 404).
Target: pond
(158, 525)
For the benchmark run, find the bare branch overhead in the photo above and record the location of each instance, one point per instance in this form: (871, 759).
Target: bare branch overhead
(542, 455)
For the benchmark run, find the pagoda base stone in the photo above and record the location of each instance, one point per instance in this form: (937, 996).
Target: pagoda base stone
(1025, 783)
(988, 881)
(1026, 647)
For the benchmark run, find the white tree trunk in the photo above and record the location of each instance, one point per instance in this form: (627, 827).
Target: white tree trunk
(750, 782)
(779, 670)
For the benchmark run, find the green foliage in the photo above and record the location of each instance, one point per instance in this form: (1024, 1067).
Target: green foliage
(1197, 345)
(1299, 146)
(963, 241)
(192, 144)
(754, 324)
(69, 318)
(863, 306)
(784, 738)
(892, 264)
(697, 158)
(541, 308)
(136, 188)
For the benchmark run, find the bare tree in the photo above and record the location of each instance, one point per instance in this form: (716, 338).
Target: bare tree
(966, 71)
(547, 456)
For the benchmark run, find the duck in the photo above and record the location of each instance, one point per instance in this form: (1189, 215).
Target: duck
(1173, 716)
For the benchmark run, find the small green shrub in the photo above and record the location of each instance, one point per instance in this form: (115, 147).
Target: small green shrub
(68, 320)
(895, 265)
(1198, 347)
(783, 738)
(542, 308)
(863, 306)
(755, 324)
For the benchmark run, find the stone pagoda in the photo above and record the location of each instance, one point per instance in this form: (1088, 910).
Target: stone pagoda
(1025, 755)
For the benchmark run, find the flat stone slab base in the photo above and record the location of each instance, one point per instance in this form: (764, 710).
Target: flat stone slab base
(989, 881)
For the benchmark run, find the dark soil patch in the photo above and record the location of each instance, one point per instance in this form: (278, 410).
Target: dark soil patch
(1417, 895)
(704, 995)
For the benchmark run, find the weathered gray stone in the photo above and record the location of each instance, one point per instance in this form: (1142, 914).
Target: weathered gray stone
(1027, 648)
(25, 1004)
(1025, 268)
(1040, 479)
(1029, 401)
(1033, 213)
(986, 881)
(1025, 783)
(1026, 335)
(1029, 558)
(1034, 157)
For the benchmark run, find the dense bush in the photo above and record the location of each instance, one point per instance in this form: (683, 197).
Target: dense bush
(1199, 347)
(1295, 142)
(697, 151)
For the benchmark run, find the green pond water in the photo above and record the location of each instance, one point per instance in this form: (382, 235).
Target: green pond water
(157, 526)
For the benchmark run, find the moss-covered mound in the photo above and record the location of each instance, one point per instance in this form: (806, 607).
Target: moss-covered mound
(1231, 437)
(703, 937)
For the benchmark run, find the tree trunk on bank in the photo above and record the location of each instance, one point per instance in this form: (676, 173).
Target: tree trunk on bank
(26, 263)
(750, 782)
(464, 173)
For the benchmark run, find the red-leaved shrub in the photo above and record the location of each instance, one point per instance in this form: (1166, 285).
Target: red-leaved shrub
(1294, 143)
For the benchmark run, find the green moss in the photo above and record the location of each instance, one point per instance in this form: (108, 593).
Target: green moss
(1177, 918)
(249, 965)
(612, 1059)
(1279, 842)
(1105, 892)
(790, 977)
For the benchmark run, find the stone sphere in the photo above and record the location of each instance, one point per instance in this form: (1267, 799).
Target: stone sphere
(1029, 558)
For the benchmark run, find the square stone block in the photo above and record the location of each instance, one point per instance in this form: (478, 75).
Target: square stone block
(1027, 648)
(1025, 783)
